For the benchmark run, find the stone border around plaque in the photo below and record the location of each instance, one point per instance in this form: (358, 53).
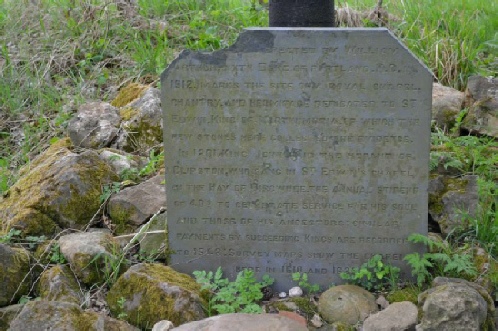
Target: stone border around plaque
(296, 150)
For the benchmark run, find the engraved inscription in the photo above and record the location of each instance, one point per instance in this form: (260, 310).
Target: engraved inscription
(285, 155)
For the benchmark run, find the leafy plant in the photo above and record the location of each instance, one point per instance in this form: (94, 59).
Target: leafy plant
(445, 261)
(9, 236)
(373, 274)
(303, 282)
(241, 295)
(122, 314)
(56, 255)
(108, 190)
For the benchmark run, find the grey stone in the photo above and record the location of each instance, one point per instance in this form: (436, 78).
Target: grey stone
(119, 160)
(482, 101)
(149, 293)
(92, 255)
(296, 150)
(95, 125)
(446, 105)
(7, 314)
(399, 316)
(57, 315)
(60, 189)
(451, 198)
(141, 127)
(347, 304)
(452, 306)
(244, 322)
(14, 265)
(163, 326)
(59, 284)
(296, 291)
(133, 206)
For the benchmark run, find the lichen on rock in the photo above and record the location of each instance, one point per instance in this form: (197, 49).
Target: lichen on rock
(14, 265)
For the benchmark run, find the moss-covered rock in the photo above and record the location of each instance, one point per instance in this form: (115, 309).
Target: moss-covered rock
(148, 293)
(59, 284)
(59, 190)
(141, 114)
(94, 257)
(57, 315)
(7, 314)
(14, 265)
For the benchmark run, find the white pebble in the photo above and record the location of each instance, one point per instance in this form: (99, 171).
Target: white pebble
(295, 292)
(282, 295)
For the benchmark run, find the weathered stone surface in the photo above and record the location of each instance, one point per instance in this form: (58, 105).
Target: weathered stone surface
(91, 255)
(57, 315)
(346, 303)
(154, 243)
(163, 326)
(154, 292)
(95, 125)
(7, 314)
(14, 265)
(141, 126)
(59, 284)
(244, 322)
(452, 306)
(399, 316)
(296, 150)
(449, 197)
(446, 105)
(119, 160)
(134, 205)
(482, 101)
(60, 189)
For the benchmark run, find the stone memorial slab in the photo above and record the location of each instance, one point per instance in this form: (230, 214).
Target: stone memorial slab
(296, 150)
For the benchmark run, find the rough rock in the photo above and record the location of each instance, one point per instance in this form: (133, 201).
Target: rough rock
(296, 291)
(120, 161)
(56, 315)
(60, 189)
(244, 322)
(446, 105)
(91, 255)
(134, 205)
(141, 126)
(346, 303)
(154, 243)
(482, 102)
(7, 314)
(154, 292)
(449, 197)
(163, 326)
(399, 316)
(95, 125)
(14, 265)
(452, 306)
(59, 284)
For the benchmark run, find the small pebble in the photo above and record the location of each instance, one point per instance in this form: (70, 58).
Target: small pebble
(295, 292)
(316, 321)
(282, 295)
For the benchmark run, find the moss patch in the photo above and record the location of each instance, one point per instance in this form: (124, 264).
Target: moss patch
(15, 265)
(129, 93)
(154, 292)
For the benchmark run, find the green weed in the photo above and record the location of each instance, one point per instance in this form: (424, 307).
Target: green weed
(239, 296)
(304, 283)
(373, 274)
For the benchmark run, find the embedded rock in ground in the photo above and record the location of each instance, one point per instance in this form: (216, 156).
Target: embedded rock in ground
(135, 205)
(482, 102)
(59, 284)
(489, 324)
(397, 317)
(92, 256)
(154, 241)
(449, 198)
(95, 125)
(452, 306)
(149, 293)
(56, 315)
(244, 322)
(346, 303)
(14, 265)
(60, 189)
(121, 162)
(142, 125)
(7, 314)
(163, 326)
(446, 105)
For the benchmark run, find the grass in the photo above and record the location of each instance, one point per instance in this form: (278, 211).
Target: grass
(58, 54)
